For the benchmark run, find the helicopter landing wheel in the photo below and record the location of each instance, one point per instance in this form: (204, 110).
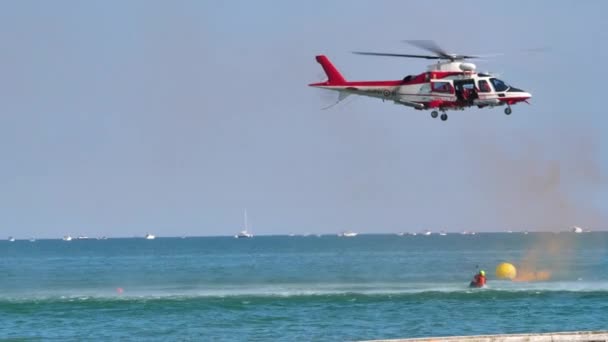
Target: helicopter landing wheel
(434, 114)
(444, 117)
(508, 111)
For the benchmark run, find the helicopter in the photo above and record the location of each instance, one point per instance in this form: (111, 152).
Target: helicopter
(450, 84)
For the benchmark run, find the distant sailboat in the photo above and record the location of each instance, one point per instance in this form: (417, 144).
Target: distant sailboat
(150, 237)
(11, 239)
(244, 233)
(348, 234)
(67, 238)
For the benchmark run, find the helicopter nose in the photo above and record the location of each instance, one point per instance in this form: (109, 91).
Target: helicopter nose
(519, 93)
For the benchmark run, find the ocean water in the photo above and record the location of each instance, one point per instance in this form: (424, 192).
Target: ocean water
(281, 288)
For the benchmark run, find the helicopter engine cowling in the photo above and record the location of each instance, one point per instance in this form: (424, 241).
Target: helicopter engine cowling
(467, 67)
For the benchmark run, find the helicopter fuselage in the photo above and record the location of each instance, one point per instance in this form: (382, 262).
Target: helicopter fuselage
(445, 86)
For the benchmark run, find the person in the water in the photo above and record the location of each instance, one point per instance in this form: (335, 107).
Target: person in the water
(479, 280)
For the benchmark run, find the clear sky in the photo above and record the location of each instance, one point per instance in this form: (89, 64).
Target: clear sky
(119, 118)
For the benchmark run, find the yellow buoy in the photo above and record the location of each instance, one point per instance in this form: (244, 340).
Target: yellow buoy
(506, 271)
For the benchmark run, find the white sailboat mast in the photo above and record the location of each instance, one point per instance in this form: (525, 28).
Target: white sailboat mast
(246, 221)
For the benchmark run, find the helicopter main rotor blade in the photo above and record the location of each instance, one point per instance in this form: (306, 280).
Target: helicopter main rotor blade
(395, 55)
(431, 46)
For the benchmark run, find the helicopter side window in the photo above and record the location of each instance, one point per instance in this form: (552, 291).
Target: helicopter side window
(499, 85)
(484, 87)
(441, 87)
(425, 89)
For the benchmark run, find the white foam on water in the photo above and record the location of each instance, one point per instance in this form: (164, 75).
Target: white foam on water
(292, 290)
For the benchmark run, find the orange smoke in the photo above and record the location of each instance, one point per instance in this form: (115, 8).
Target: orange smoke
(533, 275)
(543, 259)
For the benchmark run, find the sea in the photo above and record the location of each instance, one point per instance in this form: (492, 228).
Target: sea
(300, 288)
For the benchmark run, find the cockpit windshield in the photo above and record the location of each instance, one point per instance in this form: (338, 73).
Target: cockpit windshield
(499, 85)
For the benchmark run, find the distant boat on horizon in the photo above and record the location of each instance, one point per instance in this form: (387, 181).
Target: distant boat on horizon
(82, 237)
(442, 233)
(67, 238)
(577, 230)
(348, 234)
(150, 236)
(427, 232)
(245, 232)
(11, 239)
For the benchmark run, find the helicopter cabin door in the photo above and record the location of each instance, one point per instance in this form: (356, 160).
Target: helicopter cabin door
(443, 89)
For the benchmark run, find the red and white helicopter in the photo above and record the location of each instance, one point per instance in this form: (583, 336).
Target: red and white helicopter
(450, 84)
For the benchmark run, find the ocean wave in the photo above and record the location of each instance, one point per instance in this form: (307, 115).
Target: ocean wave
(384, 290)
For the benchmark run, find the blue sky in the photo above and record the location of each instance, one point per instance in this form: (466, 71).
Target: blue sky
(121, 118)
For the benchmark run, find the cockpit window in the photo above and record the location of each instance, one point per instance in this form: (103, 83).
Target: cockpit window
(499, 85)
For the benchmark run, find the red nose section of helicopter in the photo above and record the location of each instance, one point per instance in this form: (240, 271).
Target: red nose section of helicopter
(514, 95)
